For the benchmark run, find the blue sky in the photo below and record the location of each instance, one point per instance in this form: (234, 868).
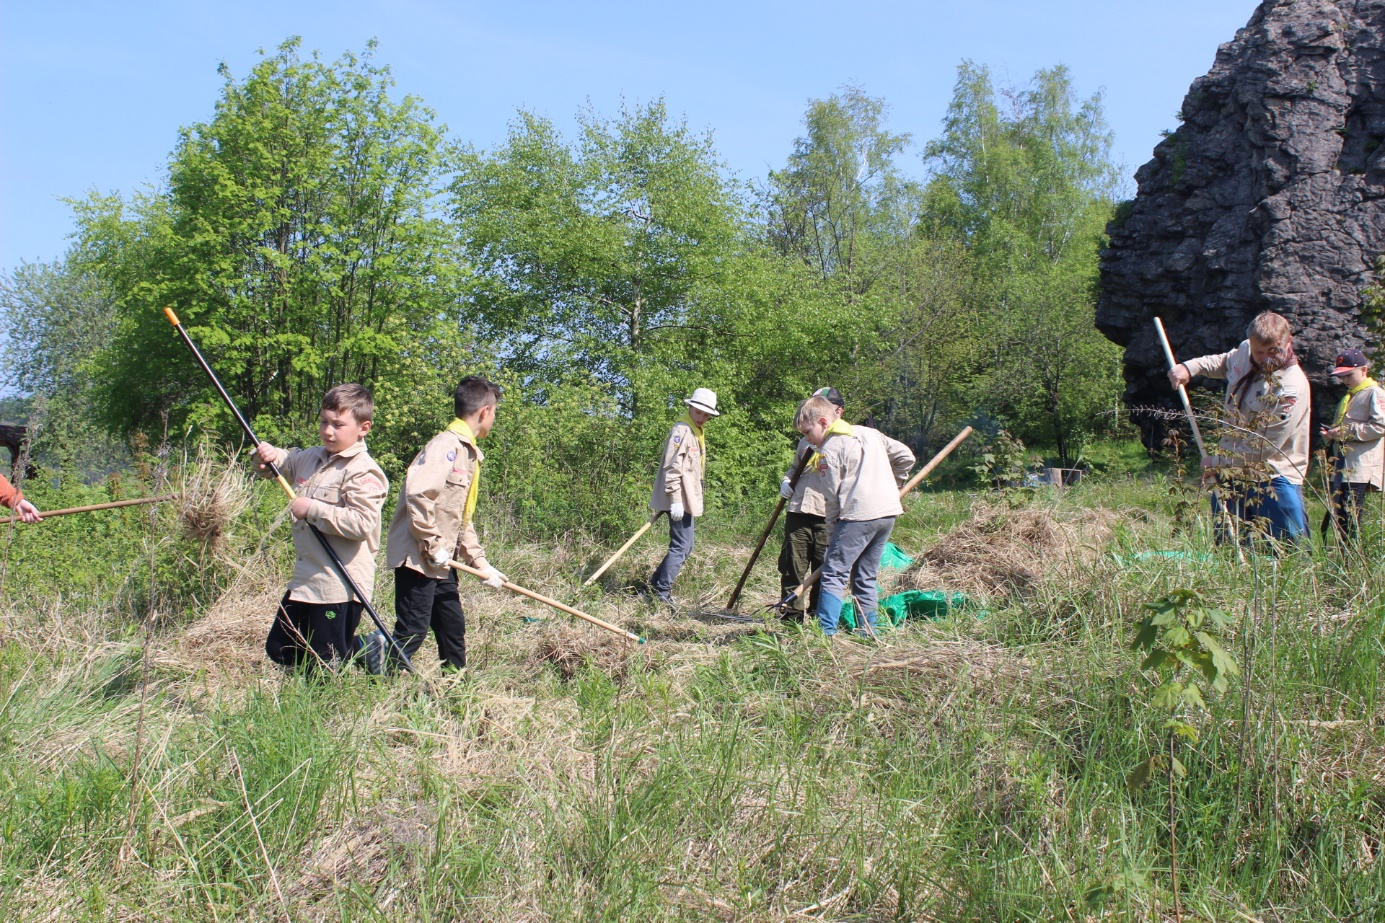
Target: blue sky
(92, 94)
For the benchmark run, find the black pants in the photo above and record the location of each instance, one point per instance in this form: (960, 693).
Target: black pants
(311, 634)
(805, 545)
(1348, 504)
(422, 602)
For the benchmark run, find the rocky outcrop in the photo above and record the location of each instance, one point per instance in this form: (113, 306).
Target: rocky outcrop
(1269, 196)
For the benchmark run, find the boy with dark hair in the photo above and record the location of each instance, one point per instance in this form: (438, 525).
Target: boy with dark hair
(805, 522)
(433, 524)
(341, 491)
(1355, 437)
(862, 470)
(678, 487)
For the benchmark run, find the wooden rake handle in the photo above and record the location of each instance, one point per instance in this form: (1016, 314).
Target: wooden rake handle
(115, 504)
(621, 550)
(539, 597)
(1182, 391)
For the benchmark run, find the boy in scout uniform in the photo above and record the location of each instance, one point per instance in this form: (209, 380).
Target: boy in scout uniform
(1355, 436)
(678, 487)
(805, 522)
(433, 525)
(861, 471)
(341, 491)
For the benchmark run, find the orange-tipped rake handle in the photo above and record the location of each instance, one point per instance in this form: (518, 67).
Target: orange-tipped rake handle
(539, 597)
(621, 550)
(346, 577)
(909, 485)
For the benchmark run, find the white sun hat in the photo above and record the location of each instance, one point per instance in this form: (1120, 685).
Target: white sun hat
(705, 400)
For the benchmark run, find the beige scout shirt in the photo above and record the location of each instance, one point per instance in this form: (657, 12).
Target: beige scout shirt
(348, 492)
(861, 475)
(1280, 403)
(807, 493)
(680, 474)
(1363, 427)
(432, 505)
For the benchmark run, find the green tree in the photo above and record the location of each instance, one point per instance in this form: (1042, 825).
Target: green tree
(842, 207)
(1029, 186)
(298, 238)
(57, 317)
(841, 201)
(594, 257)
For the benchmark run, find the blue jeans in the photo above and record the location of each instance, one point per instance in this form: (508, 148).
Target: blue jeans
(853, 558)
(680, 545)
(1278, 501)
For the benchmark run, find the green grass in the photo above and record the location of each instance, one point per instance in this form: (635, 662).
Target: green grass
(966, 770)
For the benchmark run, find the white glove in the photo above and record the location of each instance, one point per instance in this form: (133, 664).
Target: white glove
(494, 579)
(786, 489)
(675, 511)
(440, 557)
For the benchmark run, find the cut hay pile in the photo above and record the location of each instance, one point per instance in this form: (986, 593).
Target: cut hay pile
(228, 642)
(211, 493)
(570, 649)
(1002, 551)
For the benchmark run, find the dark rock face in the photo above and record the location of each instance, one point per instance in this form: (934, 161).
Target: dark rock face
(1270, 196)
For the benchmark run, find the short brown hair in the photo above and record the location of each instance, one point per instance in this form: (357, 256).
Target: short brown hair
(813, 409)
(1269, 327)
(474, 392)
(353, 399)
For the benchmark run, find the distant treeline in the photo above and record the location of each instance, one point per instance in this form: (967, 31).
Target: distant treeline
(317, 230)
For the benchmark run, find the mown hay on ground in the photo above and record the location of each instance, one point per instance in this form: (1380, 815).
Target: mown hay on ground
(1002, 551)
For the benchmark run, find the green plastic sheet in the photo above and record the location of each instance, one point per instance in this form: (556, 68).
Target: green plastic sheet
(911, 604)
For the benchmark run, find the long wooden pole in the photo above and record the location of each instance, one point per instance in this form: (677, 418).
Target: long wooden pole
(539, 597)
(1229, 520)
(621, 550)
(764, 536)
(908, 486)
(1182, 391)
(116, 504)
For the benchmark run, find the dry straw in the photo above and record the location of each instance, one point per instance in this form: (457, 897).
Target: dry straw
(211, 494)
(1001, 551)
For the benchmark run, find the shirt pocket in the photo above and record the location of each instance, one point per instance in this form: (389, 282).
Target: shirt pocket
(454, 493)
(326, 486)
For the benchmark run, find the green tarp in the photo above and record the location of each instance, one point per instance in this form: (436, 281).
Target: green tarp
(894, 558)
(911, 604)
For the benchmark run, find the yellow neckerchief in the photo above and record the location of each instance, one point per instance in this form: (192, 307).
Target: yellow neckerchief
(1367, 382)
(697, 430)
(463, 428)
(838, 427)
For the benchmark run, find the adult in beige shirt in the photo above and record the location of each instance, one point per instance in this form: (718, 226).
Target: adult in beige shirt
(341, 491)
(1355, 437)
(678, 487)
(1267, 407)
(433, 525)
(805, 522)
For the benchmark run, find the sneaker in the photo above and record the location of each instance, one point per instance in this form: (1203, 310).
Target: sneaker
(373, 653)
